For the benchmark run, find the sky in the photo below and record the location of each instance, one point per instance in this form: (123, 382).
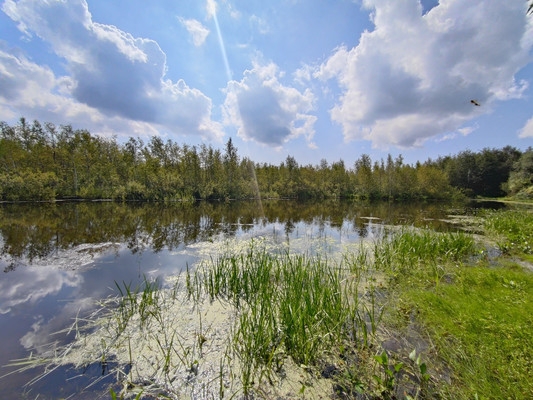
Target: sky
(311, 79)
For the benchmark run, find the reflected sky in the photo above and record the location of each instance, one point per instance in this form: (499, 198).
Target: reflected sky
(37, 301)
(58, 260)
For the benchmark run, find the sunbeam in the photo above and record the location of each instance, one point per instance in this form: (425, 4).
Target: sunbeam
(212, 10)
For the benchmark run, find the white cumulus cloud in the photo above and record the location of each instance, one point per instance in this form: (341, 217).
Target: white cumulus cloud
(197, 31)
(42, 282)
(110, 71)
(527, 130)
(266, 111)
(412, 77)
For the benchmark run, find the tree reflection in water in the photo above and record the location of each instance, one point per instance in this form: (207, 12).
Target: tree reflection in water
(34, 231)
(60, 258)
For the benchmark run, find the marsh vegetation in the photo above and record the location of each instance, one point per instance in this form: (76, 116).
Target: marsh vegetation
(411, 313)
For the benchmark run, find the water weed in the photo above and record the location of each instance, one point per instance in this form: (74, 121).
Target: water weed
(141, 301)
(249, 321)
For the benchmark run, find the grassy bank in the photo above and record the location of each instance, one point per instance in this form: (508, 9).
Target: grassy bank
(413, 314)
(475, 310)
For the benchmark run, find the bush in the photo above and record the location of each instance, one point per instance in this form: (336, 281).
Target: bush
(28, 185)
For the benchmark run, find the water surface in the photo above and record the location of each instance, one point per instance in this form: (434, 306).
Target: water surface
(59, 259)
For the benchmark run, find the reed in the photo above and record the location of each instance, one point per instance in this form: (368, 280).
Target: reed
(513, 229)
(325, 315)
(141, 301)
(311, 309)
(473, 310)
(288, 305)
(419, 254)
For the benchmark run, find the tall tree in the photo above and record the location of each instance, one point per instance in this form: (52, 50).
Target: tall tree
(231, 163)
(521, 177)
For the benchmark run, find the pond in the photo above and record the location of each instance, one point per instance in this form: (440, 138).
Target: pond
(60, 259)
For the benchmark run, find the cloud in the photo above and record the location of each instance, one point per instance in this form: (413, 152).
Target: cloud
(211, 8)
(527, 130)
(304, 74)
(37, 339)
(465, 131)
(28, 88)
(197, 31)
(41, 282)
(265, 110)
(33, 90)
(414, 75)
(110, 71)
(260, 24)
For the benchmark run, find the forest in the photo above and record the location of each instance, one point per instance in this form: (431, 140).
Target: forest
(45, 162)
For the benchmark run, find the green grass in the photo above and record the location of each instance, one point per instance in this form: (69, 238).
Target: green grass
(321, 313)
(477, 312)
(294, 306)
(141, 300)
(472, 316)
(482, 326)
(513, 230)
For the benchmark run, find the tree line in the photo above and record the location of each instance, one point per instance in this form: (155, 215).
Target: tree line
(47, 162)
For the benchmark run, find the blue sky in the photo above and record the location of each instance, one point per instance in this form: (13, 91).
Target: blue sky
(313, 79)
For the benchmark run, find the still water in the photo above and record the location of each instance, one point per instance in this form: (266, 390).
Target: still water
(59, 259)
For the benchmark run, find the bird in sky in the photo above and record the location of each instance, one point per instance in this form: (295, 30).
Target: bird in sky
(474, 102)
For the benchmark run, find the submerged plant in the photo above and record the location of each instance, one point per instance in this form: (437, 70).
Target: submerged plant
(141, 302)
(323, 316)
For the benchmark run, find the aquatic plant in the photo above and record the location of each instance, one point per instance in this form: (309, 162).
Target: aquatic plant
(513, 229)
(387, 377)
(241, 322)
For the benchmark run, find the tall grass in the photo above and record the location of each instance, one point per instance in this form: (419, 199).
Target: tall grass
(141, 301)
(317, 312)
(513, 230)
(329, 316)
(296, 306)
(421, 254)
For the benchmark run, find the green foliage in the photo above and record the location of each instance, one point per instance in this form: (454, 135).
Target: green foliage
(513, 230)
(389, 371)
(289, 306)
(421, 254)
(421, 366)
(315, 312)
(472, 316)
(27, 185)
(92, 167)
(480, 174)
(136, 302)
(478, 315)
(521, 177)
(45, 163)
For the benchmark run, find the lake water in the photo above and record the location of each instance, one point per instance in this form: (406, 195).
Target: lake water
(59, 259)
